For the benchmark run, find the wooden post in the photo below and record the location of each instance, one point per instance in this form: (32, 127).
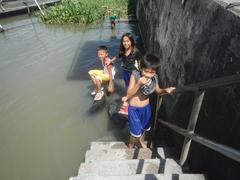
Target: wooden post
(183, 2)
(192, 124)
(28, 9)
(158, 105)
(1, 6)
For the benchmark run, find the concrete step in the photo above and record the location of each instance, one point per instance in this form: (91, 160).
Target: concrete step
(108, 145)
(121, 154)
(143, 177)
(130, 167)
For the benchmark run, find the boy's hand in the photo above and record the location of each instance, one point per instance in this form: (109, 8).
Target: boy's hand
(108, 62)
(143, 80)
(170, 89)
(124, 98)
(113, 59)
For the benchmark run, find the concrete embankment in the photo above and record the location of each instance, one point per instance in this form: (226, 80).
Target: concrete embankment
(198, 41)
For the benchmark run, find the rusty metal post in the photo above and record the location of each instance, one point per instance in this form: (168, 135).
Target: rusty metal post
(158, 105)
(192, 124)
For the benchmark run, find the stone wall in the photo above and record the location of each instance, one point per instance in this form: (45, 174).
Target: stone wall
(197, 41)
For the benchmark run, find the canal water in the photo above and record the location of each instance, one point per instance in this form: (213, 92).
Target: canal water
(47, 116)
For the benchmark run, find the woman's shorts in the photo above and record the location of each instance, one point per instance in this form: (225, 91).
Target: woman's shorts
(99, 74)
(139, 119)
(126, 77)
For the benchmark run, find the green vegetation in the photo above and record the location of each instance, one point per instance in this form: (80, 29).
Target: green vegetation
(84, 11)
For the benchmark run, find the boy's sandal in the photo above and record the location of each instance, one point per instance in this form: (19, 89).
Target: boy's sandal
(93, 93)
(98, 96)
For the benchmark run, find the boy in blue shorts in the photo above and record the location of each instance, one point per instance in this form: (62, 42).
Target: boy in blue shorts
(142, 84)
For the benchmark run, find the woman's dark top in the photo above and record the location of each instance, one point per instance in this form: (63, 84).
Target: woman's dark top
(132, 61)
(148, 88)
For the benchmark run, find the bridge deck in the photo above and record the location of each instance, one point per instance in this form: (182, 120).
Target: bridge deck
(14, 7)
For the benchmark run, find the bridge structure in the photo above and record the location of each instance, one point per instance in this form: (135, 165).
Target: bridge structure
(16, 7)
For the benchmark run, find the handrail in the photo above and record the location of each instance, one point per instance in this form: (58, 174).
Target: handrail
(199, 89)
(223, 149)
(232, 4)
(224, 81)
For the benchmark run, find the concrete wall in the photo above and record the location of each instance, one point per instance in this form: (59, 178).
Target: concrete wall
(197, 41)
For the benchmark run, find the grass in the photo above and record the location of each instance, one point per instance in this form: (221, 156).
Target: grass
(84, 12)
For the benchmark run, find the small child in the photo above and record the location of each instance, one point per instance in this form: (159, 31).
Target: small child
(101, 76)
(112, 21)
(142, 84)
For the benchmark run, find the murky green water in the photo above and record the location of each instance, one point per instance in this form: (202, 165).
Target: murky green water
(46, 122)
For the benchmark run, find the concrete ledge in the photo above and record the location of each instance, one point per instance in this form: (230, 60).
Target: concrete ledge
(121, 154)
(130, 167)
(108, 145)
(144, 177)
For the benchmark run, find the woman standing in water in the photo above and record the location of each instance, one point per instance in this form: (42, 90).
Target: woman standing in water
(130, 57)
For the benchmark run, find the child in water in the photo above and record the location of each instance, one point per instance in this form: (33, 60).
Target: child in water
(142, 84)
(112, 21)
(101, 76)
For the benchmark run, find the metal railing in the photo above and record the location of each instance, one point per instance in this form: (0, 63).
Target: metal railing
(199, 89)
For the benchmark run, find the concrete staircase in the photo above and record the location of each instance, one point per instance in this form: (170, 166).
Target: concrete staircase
(114, 161)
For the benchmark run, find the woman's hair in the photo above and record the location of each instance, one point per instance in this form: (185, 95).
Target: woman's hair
(149, 61)
(122, 49)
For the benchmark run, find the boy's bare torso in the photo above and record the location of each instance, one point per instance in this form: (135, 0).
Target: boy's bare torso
(139, 100)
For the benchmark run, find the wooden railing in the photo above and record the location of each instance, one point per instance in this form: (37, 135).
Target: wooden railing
(199, 89)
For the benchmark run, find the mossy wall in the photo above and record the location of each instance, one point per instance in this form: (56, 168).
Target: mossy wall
(197, 41)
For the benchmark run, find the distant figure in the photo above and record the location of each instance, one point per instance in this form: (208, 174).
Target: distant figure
(112, 21)
(101, 76)
(142, 84)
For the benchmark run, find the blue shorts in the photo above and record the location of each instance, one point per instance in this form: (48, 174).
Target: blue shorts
(126, 77)
(139, 119)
